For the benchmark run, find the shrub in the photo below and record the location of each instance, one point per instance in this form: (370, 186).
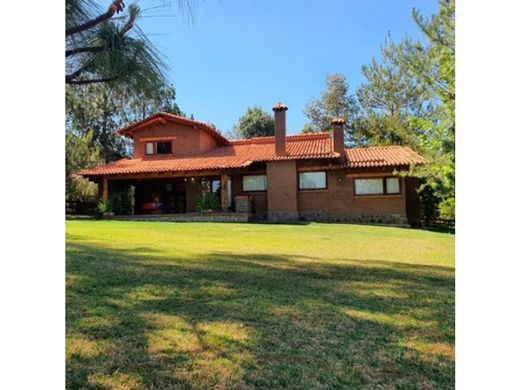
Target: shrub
(429, 203)
(207, 201)
(447, 208)
(122, 200)
(104, 207)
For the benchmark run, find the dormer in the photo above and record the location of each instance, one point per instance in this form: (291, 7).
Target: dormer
(165, 134)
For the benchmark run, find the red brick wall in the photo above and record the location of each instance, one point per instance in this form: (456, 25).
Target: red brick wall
(259, 198)
(339, 199)
(187, 140)
(282, 186)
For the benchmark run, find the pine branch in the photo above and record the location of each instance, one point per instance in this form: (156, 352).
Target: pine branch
(76, 73)
(90, 81)
(117, 6)
(87, 49)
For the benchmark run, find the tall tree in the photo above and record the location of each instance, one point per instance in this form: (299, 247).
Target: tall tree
(97, 109)
(433, 64)
(388, 98)
(140, 106)
(334, 102)
(254, 123)
(102, 109)
(80, 153)
(101, 48)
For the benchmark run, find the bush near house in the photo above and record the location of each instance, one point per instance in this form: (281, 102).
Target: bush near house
(207, 201)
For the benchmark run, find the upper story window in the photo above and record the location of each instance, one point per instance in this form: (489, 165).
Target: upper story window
(160, 147)
(252, 183)
(380, 186)
(312, 180)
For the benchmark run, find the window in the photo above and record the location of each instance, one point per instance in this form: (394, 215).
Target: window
(161, 147)
(313, 180)
(369, 186)
(164, 147)
(254, 183)
(387, 186)
(215, 186)
(150, 148)
(392, 185)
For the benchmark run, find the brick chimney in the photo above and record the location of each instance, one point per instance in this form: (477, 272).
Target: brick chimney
(279, 128)
(338, 134)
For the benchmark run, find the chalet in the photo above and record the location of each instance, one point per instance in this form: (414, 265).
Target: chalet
(279, 178)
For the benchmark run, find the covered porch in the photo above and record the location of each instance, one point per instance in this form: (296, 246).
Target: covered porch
(158, 195)
(167, 194)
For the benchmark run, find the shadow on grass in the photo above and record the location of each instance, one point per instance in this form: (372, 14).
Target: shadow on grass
(137, 319)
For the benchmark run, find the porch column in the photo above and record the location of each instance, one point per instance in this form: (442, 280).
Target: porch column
(103, 189)
(224, 192)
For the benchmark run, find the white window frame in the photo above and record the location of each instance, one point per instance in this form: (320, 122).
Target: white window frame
(146, 148)
(301, 181)
(154, 147)
(366, 180)
(244, 189)
(384, 186)
(398, 186)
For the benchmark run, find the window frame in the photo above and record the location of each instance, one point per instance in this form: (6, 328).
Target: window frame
(146, 148)
(253, 191)
(314, 189)
(154, 143)
(385, 191)
(385, 185)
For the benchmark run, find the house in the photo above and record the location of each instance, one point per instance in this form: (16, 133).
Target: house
(279, 178)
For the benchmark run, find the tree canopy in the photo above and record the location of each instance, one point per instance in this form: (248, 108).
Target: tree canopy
(254, 123)
(101, 47)
(433, 64)
(335, 101)
(93, 115)
(390, 95)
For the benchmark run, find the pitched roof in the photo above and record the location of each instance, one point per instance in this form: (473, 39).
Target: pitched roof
(129, 130)
(382, 156)
(240, 154)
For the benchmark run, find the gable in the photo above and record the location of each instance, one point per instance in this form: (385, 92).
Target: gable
(188, 137)
(186, 140)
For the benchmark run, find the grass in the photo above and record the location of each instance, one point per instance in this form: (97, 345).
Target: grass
(207, 305)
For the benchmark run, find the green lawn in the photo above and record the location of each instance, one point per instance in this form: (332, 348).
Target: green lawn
(207, 305)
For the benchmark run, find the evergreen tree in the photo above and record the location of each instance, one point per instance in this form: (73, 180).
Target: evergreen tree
(388, 98)
(102, 110)
(254, 123)
(334, 102)
(433, 65)
(105, 46)
(79, 154)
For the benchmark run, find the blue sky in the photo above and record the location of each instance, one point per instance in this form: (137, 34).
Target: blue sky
(240, 53)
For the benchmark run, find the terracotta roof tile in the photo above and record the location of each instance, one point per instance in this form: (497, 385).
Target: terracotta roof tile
(382, 156)
(239, 154)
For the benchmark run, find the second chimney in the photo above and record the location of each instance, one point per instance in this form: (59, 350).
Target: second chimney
(338, 134)
(279, 128)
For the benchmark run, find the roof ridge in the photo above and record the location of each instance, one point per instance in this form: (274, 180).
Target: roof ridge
(290, 137)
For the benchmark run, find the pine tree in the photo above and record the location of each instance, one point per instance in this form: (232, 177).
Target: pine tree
(388, 98)
(334, 102)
